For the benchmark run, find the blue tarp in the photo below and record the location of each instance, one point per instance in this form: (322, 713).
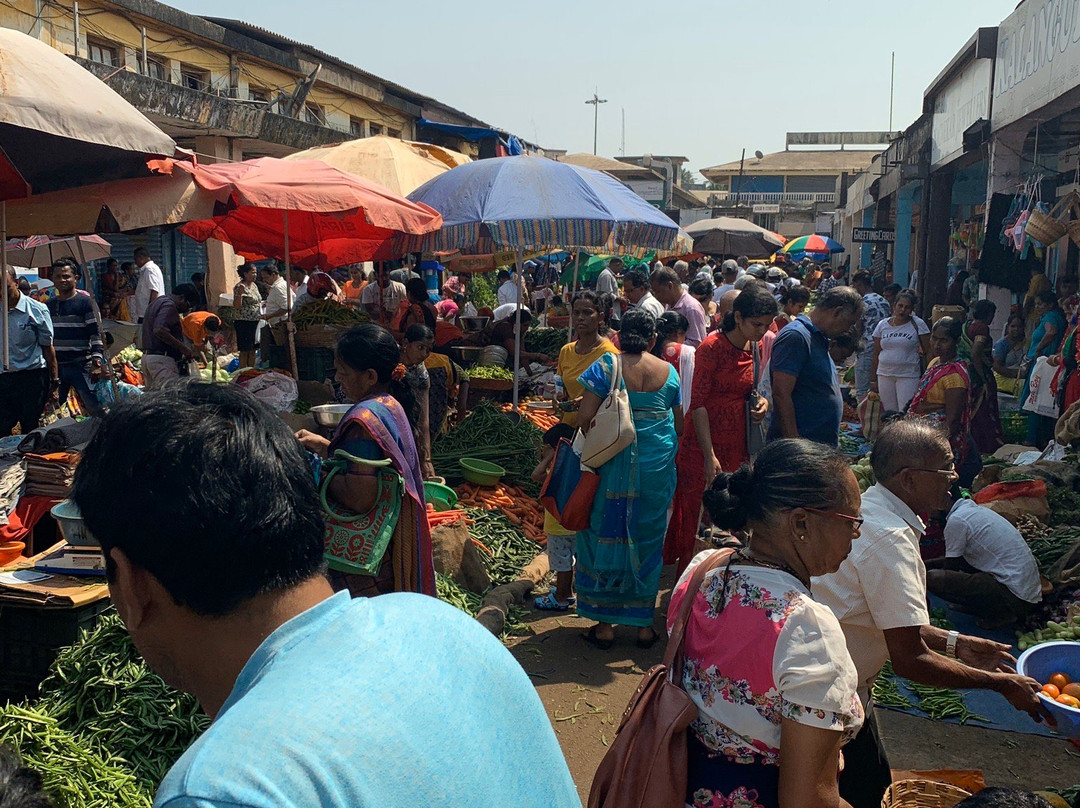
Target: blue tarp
(475, 133)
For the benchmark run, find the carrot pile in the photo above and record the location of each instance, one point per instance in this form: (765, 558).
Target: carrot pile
(436, 518)
(543, 419)
(521, 509)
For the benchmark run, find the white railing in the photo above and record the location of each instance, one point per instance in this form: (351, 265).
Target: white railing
(751, 197)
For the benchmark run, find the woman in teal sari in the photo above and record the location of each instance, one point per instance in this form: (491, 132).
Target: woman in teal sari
(620, 555)
(1045, 341)
(378, 428)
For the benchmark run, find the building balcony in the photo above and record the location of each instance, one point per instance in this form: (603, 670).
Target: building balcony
(725, 198)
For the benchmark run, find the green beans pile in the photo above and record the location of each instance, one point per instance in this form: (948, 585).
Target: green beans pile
(1048, 549)
(491, 372)
(327, 312)
(548, 341)
(106, 729)
(886, 691)
(488, 434)
(74, 774)
(449, 591)
(511, 548)
(936, 702)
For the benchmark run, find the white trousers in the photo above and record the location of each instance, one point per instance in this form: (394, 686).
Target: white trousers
(896, 392)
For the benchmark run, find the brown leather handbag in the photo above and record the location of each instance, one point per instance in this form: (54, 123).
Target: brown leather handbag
(647, 762)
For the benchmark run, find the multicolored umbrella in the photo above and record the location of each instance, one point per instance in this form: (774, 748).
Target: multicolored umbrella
(813, 244)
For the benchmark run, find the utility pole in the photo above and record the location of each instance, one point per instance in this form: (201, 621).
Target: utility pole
(738, 192)
(622, 147)
(892, 87)
(596, 101)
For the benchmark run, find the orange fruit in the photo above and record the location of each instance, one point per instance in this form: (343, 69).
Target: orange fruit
(1072, 689)
(1068, 701)
(1058, 680)
(1051, 691)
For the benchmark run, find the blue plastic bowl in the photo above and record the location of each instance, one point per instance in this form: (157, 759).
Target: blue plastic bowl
(1040, 663)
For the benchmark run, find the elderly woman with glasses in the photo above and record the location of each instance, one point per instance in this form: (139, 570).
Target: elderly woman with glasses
(767, 666)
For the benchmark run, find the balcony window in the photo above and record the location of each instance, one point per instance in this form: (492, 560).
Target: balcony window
(375, 129)
(356, 126)
(195, 79)
(104, 53)
(313, 114)
(394, 133)
(155, 68)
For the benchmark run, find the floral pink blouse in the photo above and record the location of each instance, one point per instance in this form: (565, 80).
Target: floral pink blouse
(759, 653)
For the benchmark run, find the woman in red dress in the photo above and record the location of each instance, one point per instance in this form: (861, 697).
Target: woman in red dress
(717, 441)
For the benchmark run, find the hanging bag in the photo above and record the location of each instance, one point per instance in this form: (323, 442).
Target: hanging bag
(356, 543)
(569, 488)
(612, 428)
(646, 765)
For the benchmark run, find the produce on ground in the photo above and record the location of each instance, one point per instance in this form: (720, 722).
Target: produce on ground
(223, 376)
(936, 702)
(301, 407)
(1068, 629)
(491, 372)
(487, 434)
(1064, 505)
(541, 419)
(1050, 546)
(327, 312)
(130, 354)
(548, 341)
(106, 729)
(504, 547)
(864, 474)
(517, 506)
(848, 444)
(1071, 795)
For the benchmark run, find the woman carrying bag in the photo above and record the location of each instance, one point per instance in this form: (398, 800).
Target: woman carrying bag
(619, 555)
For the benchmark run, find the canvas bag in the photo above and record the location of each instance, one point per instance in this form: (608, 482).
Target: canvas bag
(612, 428)
(646, 765)
(870, 412)
(569, 489)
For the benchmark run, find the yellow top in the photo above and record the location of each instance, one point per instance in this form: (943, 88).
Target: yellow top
(553, 528)
(936, 394)
(572, 364)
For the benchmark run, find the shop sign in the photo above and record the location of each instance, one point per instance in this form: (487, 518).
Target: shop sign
(651, 190)
(872, 235)
(1038, 58)
(766, 208)
(961, 103)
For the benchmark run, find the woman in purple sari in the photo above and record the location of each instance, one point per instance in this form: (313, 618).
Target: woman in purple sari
(378, 428)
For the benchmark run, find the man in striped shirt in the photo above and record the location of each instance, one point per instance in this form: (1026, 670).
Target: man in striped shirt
(76, 336)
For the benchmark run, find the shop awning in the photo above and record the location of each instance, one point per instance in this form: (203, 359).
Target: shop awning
(475, 133)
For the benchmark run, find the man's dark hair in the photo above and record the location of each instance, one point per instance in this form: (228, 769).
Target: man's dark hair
(861, 277)
(635, 278)
(189, 293)
(892, 289)
(502, 276)
(904, 444)
(1003, 798)
(71, 263)
(220, 502)
(664, 275)
(212, 324)
(984, 310)
(141, 252)
(20, 787)
(270, 268)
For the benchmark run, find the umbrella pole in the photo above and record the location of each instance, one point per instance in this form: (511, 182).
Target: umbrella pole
(517, 325)
(97, 318)
(290, 338)
(4, 266)
(569, 301)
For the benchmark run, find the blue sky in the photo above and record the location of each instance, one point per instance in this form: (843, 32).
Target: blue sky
(696, 78)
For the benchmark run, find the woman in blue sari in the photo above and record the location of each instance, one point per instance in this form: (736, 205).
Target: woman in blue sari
(620, 555)
(377, 427)
(1045, 341)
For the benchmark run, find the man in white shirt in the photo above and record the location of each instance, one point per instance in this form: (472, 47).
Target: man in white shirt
(150, 286)
(637, 295)
(729, 270)
(509, 288)
(508, 310)
(382, 298)
(275, 307)
(988, 568)
(879, 596)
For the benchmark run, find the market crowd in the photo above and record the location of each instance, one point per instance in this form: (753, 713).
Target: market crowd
(732, 379)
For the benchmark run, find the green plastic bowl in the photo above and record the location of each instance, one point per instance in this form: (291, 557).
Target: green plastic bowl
(442, 497)
(481, 472)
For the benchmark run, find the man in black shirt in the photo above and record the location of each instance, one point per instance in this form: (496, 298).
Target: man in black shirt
(76, 336)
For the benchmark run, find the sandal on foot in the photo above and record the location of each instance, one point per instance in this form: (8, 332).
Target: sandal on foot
(650, 642)
(549, 603)
(591, 638)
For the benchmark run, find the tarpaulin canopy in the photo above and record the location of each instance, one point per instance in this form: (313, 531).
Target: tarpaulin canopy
(395, 164)
(474, 133)
(61, 126)
(590, 266)
(334, 218)
(730, 237)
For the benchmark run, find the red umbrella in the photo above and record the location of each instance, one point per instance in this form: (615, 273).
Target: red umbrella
(303, 212)
(333, 218)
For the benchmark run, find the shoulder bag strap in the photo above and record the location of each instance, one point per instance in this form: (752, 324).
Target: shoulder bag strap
(673, 653)
(757, 364)
(616, 374)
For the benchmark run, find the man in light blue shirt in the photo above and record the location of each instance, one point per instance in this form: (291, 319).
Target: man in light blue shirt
(216, 568)
(31, 376)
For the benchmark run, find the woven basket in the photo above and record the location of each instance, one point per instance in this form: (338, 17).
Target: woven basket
(1044, 228)
(493, 385)
(922, 794)
(319, 336)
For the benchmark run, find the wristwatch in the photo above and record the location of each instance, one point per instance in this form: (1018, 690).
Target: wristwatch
(950, 644)
(54, 382)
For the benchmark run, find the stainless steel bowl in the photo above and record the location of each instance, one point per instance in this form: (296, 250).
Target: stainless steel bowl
(465, 355)
(474, 323)
(329, 414)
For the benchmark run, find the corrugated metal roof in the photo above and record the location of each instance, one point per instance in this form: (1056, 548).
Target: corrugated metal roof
(825, 161)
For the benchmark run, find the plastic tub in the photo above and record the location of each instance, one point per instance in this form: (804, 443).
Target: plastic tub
(442, 497)
(11, 552)
(72, 526)
(1040, 663)
(481, 472)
